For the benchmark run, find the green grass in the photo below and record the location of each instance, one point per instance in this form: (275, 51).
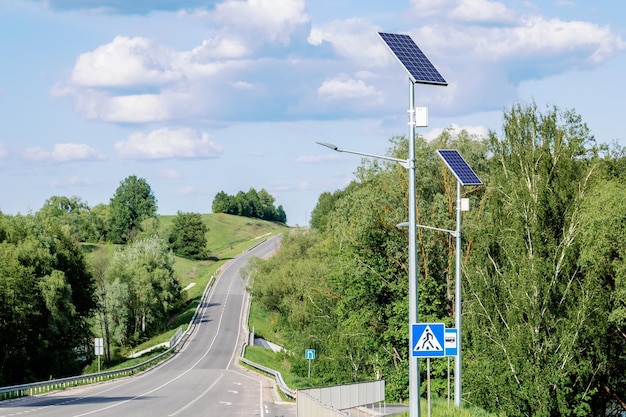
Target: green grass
(441, 408)
(228, 235)
(264, 324)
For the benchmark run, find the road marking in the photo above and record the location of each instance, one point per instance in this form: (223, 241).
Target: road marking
(190, 403)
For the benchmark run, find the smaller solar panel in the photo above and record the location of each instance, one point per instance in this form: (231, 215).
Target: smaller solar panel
(455, 162)
(420, 69)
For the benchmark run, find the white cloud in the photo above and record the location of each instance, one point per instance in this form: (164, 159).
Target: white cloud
(268, 20)
(344, 87)
(3, 151)
(64, 152)
(354, 39)
(165, 143)
(465, 10)
(125, 62)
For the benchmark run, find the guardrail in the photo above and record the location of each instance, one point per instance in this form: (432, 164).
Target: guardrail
(279, 379)
(23, 390)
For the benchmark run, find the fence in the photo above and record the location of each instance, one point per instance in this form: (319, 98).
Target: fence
(327, 401)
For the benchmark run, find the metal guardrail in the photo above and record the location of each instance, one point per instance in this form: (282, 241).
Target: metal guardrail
(23, 390)
(279, 379)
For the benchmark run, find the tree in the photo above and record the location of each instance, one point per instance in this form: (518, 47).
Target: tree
(46, 301)
(73, 213)
(142, 290)
(132, 203)
(603, 261)
(530, 314)
(223, 203)
(188, 236)
(254, 204)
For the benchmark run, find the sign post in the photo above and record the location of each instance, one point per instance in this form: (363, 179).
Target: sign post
(428, 341)
(310, 355)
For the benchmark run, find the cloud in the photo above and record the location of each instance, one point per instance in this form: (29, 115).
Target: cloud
(484, 11)
(125, 62)
(344, 87)
(260, 20)
(3, 151)
(258, 64)
(63, 152)
(354, 39)
(166, 144)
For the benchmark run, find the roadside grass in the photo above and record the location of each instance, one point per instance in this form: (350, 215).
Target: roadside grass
(263, 324)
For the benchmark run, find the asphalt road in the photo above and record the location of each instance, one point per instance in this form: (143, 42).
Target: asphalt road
(202, 379)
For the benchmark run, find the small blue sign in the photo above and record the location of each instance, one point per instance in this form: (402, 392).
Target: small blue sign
(451, 342)
(427, 340)
(309, 354)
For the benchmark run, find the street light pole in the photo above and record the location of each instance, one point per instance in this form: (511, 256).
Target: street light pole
(409, 164)
(414, 365)
(457, 301)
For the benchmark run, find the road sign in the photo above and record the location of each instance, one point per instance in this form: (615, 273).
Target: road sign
(427, 340)
(98, 346)
(309, 354)
(451, 343)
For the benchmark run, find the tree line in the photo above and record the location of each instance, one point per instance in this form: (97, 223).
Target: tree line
(543, 276)
(58, 289)
(256, 204)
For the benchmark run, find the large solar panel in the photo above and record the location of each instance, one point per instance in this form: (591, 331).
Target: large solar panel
(420, 69)
(455, 162)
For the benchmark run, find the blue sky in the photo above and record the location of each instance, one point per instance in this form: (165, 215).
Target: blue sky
(199, 97)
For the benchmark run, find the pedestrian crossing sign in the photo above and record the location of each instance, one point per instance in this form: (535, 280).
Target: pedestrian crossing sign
(427, 340)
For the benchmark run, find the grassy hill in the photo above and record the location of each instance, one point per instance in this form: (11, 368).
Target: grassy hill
(227, 236)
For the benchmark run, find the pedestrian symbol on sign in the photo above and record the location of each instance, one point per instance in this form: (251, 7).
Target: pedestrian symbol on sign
(427, 340)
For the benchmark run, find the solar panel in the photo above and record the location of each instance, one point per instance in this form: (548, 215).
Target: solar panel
(420, 69)
(455, 162)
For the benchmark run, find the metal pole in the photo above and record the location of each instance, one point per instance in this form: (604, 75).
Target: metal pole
(414, 367)
(428, 386)
(457, 300)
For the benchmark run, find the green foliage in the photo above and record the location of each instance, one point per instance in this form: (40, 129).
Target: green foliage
(342, 288)
(188, 236)
(532, 317)
(254, 204)
(132, 203)
(543, 270)
(74, 214)
(46, 300)
(140, 291)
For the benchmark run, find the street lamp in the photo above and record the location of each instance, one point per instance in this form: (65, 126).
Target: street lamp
(420, 71)
(464, 176)
(409, 164)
